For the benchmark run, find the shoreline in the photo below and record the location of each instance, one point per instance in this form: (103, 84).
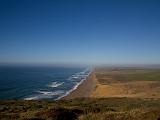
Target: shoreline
(85, 89)
(105, 87)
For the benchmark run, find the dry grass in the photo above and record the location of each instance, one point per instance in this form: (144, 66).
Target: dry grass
(82, 109)
(143, 83)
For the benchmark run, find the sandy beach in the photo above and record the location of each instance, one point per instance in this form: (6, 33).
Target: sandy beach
(85, 89)
(99, 85)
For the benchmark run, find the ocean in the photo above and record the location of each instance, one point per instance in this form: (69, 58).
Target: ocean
(35, 83)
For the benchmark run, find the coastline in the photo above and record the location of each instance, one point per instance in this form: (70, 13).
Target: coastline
(85, 89)
(105, 87)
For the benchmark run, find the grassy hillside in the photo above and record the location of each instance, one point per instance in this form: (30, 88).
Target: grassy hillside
(82, 109)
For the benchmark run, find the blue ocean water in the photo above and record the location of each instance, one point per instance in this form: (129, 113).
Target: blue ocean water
(33, 83)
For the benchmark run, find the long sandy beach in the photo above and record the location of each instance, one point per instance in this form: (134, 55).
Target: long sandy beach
(85, 89)
(119, 83)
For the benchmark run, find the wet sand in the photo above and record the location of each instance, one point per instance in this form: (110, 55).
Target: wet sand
(85, 89)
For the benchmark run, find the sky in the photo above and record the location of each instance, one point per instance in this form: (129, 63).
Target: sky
(80, 31)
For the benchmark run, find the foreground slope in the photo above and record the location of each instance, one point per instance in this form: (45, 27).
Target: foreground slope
(82, 109)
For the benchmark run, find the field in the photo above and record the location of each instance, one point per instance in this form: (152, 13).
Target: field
(127, 82)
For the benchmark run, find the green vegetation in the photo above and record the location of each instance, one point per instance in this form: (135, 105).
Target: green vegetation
(82, 109)
(130, 74)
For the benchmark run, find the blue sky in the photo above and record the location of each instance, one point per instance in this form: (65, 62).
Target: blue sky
(80, 31)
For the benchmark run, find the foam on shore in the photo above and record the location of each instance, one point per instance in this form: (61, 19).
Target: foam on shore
(77, 78)
(83, 76)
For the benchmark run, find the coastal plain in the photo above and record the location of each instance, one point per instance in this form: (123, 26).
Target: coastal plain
(127, 82)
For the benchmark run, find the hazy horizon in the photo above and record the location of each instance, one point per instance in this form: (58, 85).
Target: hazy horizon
(81, 32)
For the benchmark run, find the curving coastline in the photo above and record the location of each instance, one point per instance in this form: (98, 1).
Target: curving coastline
(85, 89)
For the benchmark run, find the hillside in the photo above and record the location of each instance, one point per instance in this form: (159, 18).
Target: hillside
(82, 109)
